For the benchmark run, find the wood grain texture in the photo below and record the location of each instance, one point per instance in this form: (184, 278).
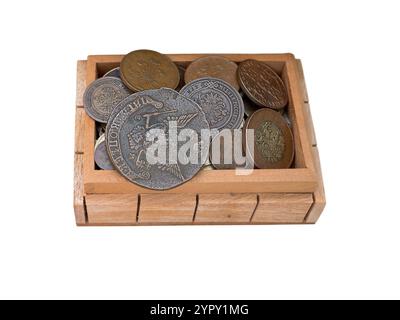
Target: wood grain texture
(80, 82)
(282, 207)
(111, 208)
(225, 208)
(167, 208)
(302, 81)
(319, 195)
(79, 129)
(79, 205)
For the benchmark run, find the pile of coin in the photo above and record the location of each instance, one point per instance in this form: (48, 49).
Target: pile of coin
(152, 115)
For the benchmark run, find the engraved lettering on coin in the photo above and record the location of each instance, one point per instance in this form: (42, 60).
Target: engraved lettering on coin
(113, 73)
(273, 145)
(262, 85)
(147, 69)
(102, 95)
(127, 141)
(221, 103)
(214, 67)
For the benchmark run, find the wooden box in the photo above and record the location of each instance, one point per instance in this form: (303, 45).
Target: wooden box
(274, 196)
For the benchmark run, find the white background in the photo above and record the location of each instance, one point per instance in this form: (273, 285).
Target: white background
(350, 52)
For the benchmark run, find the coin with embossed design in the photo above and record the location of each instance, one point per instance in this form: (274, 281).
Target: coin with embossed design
(154, 138)
(215, 67)
(221, 103)
(113, 73)
(273, 140)
(102, 95)
(147, 69)
(262, 84)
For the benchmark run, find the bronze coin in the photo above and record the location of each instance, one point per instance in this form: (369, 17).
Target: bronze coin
(262, 85)
(273, 140)
(215, 67)
(146, 69)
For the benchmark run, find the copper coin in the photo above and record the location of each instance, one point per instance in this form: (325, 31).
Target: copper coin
(262, 84)
(146, 69)
(215, 67)
(273, 140)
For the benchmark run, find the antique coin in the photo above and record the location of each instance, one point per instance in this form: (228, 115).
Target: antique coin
(226, 150)
(215, 67)
(273, 140)
(113, 73)
(146, 69)
(133, 134)
(262, 85)
(101, 157)
(221, 103)
(102, 95)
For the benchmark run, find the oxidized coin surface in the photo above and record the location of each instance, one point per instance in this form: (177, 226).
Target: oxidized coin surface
(101, 156)
(226, 150)
(147, 69)
(273, 140)
(262, 84)
(113, 73)
(215, 67)
(102, 95)
(130, 138)
(221, 103)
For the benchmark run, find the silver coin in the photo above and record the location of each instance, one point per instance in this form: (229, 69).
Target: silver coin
(130, 126)
(221, 102)
(101, 156)
(102, 95)
(113, 73)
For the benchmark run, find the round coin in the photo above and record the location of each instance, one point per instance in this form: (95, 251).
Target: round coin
(134, 132)
(102, 95)
(101, 156)
(273, 140)
(221, 103)
(215, 67)
(113, 73)
(146, 69)
(262, 85)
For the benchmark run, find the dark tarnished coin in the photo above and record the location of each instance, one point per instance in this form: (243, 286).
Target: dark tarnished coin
(102, 95)
(273, 140)
(146, 69)
(221, 103)
(130, 138)
(101, 156)
(113, 73)
(262, 85)
(214, 67)
(226, 150)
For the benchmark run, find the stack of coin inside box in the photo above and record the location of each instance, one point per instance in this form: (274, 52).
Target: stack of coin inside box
(159, 123)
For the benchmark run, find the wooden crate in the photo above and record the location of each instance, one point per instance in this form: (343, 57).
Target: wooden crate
(279, 196)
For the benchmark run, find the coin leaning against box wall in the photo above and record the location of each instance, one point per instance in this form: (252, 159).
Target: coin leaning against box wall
(130, 126)
(221, 103)
(102, 95)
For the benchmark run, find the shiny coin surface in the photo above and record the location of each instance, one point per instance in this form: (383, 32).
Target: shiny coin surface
(102, 95)
(140, 151)
(147, 69)
(214, 67)
(101, 157)
(113, 73)
(273, 140)
(262, 84)
(221, 103)
(226, 150)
